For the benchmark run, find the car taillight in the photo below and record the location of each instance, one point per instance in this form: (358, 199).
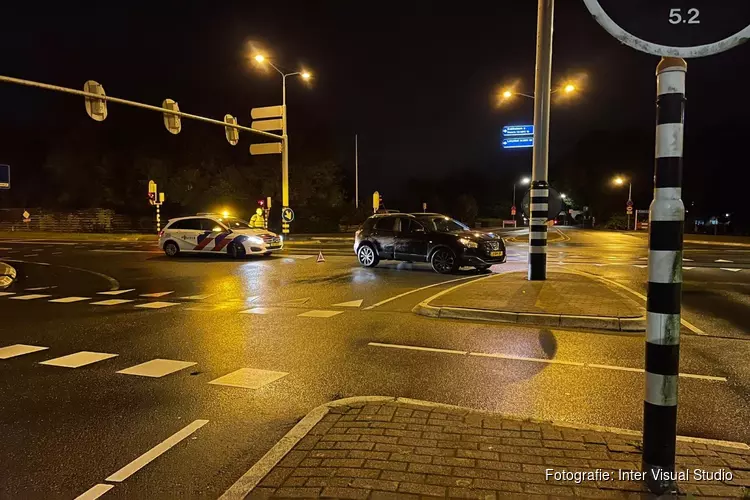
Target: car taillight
(161, 233)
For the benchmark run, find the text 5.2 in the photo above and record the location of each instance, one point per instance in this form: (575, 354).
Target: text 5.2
(690, 17)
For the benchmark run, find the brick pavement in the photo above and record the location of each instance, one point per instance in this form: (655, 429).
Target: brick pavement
(395, 448)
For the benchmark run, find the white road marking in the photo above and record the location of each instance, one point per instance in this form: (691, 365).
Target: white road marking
(416, 348)
(198, 297)
(68, 300)
(155, 295)
(123, 251)
(6, 248)
(14, 350)
(293, 302)
(157, 368)
(58, 253)
(37, 288)
(296, 256)
(157, 305)
(95, 492)
(351, 303)
(30, 296)
(724, 260)
(36, 242)
(686, 260)
(688, 268)
(395, 297)
(731, 269)
(640, 266)
(257, 310)
(116, 292)
(319, 313)
(5, 294)
(249, 378)
(155, 452)
(78, 359)
(511, 357)
(642, 258)
(31, 255)
(210, 307)
(111, 302)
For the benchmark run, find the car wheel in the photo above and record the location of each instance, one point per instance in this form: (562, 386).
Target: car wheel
(237, 251)
(367, 256)
(444, 261)
(171, 249)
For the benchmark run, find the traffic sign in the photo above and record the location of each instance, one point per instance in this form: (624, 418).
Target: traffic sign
(629, 210)
(513, 130)
(684, 29)
(4, 176)
(267, 112)
(518, 142)
(26, 214)
(266, 125)
(96, 108)
(172, 121)
(513, 210)
(629, 203)
(233, 135)
(267, 148)
(287, 214)
(554, 205)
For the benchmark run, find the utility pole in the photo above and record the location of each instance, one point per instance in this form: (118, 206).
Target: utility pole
(539, 196)
(284, 156)
(356, 173)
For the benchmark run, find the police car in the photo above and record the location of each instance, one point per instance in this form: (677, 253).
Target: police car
(211, 233)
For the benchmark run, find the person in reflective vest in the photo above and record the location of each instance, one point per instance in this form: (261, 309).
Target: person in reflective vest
(257, 221)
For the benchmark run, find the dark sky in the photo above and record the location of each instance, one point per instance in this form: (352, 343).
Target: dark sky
(415, 80)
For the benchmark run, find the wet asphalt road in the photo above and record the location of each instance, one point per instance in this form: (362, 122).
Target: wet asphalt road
(65, 429)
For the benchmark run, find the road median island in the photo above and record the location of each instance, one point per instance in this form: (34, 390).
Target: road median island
(387, 447)
(7, 275)
(565, 299)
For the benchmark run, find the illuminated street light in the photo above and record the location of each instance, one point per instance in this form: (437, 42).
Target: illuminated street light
(305, 75)
(525, 180)
(260, 58)
(507, 94)
(563, 195)
(619, 181)
(569, 88)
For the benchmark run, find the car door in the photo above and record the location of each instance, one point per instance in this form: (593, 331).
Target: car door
(383, 236)
(187, 235)
(411, 240)
(215, 236)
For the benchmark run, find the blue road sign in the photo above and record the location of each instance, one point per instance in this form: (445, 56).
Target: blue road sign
(514, 130)
(4, 176)
(518, 142)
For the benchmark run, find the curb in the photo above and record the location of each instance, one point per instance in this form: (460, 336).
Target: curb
(245, 484)
(7, 275)
(612, 323)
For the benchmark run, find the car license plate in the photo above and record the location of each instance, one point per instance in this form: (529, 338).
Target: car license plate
(496, 254)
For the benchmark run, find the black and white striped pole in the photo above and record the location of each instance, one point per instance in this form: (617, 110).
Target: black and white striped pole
(539, 195)
(666, 227)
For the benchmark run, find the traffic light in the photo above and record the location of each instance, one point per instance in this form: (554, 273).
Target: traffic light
(152, 198)
(261, 202)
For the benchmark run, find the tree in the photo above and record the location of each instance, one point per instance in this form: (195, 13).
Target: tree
(466, 209)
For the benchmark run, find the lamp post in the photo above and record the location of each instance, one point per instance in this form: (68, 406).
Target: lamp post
(567, 88)
(305, 75)
(619, 181)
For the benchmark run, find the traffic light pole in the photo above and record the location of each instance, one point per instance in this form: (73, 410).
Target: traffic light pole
(666, 228)
(539, 196)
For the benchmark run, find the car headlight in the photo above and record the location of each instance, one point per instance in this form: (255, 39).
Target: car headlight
(255, 240)
(468, 243)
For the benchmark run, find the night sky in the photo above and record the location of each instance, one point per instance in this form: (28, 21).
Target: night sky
(416, 81)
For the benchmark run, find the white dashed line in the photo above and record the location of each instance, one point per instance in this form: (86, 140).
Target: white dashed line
(68, 300)
(155, 295)
(116, 292)
(111, 302)
(95, 492)
(319, 313)
(157, 368)
(257, 310)
(197, 297)
(157, 305)
(730, 269)
(6, 294)
(14, 350)
(724, 260)
(351, 303)
(416, 348)
(78, 359)
(249, 378)
(30, 296)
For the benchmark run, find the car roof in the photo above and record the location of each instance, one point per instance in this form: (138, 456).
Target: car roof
(199, 216)
(427, 213)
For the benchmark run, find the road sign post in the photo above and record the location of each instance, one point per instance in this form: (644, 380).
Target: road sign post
(700, 28)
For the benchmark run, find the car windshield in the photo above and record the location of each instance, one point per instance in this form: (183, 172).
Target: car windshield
(442, 224)
(234, 223)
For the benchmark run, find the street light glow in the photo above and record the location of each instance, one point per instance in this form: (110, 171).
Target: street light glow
(260, 58)
(507, 94)
(563, 195)
(619, 181)
(305, 75)
(569, 88)
(525, 181)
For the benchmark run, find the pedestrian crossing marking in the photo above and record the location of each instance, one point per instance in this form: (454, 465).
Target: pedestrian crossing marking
(157, 368)
(31, 296)
(198, 297)
(156, 305)
(78, 359)
(724, 260)
(687, 260)
(319, 313)
(156, 295)
(351, 303)
(293, 302)
(95, 492)
(6, 294)
(116, 292)
(68, 300)
(688, 268)
(249, 378)
(641, 266)
(14, 350)
(257, 310)
(111, 302)
(730, 269)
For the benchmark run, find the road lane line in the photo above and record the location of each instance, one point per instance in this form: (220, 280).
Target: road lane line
(319, 313)
(730, 269)
(116, 292)
(684, 322)
(95, 492)
(157, 305)
(511, 357)
(68, 300)
(155, 295)
(377, 304)
(78, 359)
(416, 348)
(155, 452)
(724, 260)
(157, 368)
(14, 350)
(30, 296)
(102, 250)
(111, 302)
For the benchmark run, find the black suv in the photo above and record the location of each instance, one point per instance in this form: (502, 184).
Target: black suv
(443, 242)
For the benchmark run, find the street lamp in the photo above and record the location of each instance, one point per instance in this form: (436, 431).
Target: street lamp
(524, 181)
(619, 181)
(566, 88)
(305, 75)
